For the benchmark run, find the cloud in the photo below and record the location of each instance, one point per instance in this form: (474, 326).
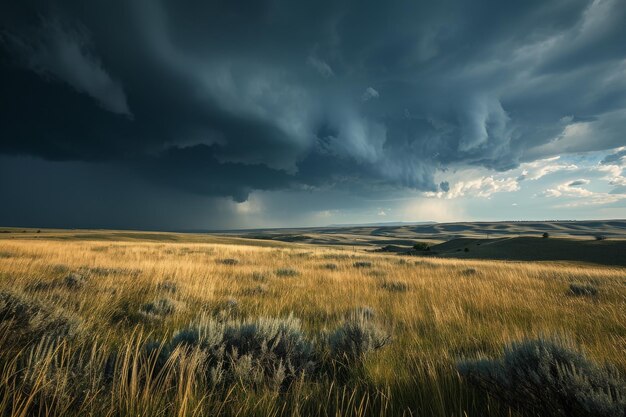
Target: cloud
(227, 100)
(320, 66)
(540, 168)
(66, 53)
(618, 157)
(574, 195)
(369, 94)
(579, 182)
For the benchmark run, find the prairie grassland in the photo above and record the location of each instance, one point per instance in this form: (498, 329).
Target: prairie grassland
(114, 297)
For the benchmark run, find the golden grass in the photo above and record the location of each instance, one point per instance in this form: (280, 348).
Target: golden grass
(451, 309)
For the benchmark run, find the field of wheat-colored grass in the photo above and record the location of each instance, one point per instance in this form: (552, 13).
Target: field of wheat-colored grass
(436, 311)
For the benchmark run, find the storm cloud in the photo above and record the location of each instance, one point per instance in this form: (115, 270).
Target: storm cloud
(222, 98)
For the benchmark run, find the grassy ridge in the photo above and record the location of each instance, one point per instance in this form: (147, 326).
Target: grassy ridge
(438, 311)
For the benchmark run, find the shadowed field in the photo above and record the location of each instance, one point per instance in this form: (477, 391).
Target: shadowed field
(599, 241)
(116, 323)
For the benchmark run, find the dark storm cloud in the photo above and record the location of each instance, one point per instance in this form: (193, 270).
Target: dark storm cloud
(225, 97)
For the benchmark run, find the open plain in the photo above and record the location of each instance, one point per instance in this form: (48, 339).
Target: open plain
(116, 324)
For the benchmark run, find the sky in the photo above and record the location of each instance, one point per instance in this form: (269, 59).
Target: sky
(164, 115)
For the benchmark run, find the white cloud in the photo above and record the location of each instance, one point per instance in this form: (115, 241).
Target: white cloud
(542, 167)
(369, 94)
(579, 196)
(483, 187)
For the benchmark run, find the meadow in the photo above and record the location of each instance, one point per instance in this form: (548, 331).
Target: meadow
(119, 327)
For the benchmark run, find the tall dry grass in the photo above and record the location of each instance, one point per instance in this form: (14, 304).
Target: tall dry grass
(107, 296)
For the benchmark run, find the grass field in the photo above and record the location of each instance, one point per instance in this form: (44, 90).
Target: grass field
(112, 296)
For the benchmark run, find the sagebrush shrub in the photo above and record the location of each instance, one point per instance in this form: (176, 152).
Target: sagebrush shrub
(362, 264)
(544, 377)
(168, 286)
(258, 290)
(395, 286)
(74, 281)
(330, 266)
(286, 272)
(29, 321)
(469, 272)
(350, 343)
(266, 351)
(229, 261)
(583, 289)
(161, 307)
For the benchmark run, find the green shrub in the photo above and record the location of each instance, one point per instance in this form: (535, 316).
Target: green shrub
(545, 378)
(421, 246)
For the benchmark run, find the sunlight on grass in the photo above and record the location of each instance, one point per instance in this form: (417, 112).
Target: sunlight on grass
(86, 328)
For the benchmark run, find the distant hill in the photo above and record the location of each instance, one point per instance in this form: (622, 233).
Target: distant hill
(382, 224)
(569, 240)
(606, 252)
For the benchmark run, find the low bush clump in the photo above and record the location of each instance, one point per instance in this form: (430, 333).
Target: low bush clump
(258, 290)
(272, 351)
(74, 281)
(362, 264)
(545, 235)
(395, 286)
(259, 277)
(468, 272)
(546, 378)
(583, 289)
(286, 272)
(168, 286)
(330, 266)
(29, 321)
(160, 308)
(229, 261)
(350, 343)
(421, 246)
